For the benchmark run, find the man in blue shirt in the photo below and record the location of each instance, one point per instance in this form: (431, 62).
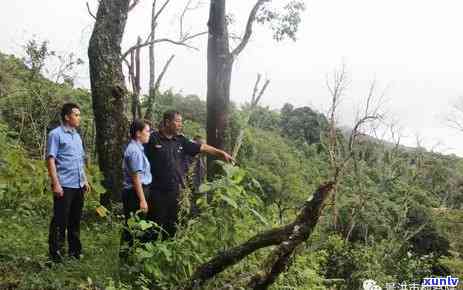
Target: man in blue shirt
(65, 163)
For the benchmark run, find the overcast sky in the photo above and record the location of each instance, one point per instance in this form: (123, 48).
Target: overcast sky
(412, 48)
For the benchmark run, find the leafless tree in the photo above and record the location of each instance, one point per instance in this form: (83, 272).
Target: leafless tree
(257, 94)
(185, 39)
(454, 118)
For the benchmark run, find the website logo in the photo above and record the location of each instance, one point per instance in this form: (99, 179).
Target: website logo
(448, 281)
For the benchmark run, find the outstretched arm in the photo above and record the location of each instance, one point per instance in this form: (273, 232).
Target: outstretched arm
(216, 152)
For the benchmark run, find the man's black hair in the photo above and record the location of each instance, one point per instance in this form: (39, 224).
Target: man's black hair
(67, 110)
(169, 116)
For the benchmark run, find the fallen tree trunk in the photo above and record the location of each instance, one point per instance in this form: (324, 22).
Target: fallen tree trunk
(287, 237)
(279, 260)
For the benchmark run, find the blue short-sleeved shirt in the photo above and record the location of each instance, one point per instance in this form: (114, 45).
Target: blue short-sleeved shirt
(65, 145)
(135, 161)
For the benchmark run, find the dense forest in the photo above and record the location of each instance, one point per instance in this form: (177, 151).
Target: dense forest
(308, 204)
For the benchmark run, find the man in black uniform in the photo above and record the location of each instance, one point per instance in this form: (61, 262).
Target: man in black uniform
(166, 152)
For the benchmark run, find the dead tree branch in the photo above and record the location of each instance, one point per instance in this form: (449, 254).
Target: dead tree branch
(455, 118)
(182, 41)
(90, 11)
(183, 15)
(151, 99)
(248, 29)
(163, 72)
(133, 4)
(255, 98)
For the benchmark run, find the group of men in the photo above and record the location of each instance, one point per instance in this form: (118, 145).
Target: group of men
(154, 171)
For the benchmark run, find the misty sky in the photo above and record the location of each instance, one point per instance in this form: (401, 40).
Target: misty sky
(413, 49)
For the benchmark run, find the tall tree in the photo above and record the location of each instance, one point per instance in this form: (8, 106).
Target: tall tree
(109, 93)
(220, 58)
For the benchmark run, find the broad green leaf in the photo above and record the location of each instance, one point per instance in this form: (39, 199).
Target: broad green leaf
(205, 187)
(230, 201)
(101, 211)
(144, 225)
(98, 188)
(142, 254)
(259, 216)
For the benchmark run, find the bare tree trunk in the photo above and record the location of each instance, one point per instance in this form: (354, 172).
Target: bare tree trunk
(108, 90)
(136, 108)
(335, 209)
(219, 69)
(44, 142)
(151, 48)
(149, 114)
(254, 102)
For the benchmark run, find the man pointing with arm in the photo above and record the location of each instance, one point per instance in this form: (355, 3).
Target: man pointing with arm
(166, 151)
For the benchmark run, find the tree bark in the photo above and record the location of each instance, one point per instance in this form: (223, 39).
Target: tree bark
(151, 49)
(149, 114)
(134, 77)
(219, 69)
(109, 93)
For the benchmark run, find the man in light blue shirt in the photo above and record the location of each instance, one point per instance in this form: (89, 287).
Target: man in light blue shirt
(65, 163)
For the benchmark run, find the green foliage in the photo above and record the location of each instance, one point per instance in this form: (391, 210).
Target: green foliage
(23, 254)
(302, 124)
(228, 209)
(396, 217)
(22, 180)
(191, 107)
(286, 175)
(305, 272)
(382, 261)
(30, 103)
(266, 119)
(193, 129)
(283, 22)
(25, 213)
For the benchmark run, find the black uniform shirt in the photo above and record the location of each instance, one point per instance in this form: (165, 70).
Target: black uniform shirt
(167, 157)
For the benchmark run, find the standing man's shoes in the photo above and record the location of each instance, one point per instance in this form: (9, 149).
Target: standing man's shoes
(76, 256)
(56, 258)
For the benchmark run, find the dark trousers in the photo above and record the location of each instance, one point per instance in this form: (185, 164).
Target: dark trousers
(131, 204)
(163, 210)
(67, 212)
